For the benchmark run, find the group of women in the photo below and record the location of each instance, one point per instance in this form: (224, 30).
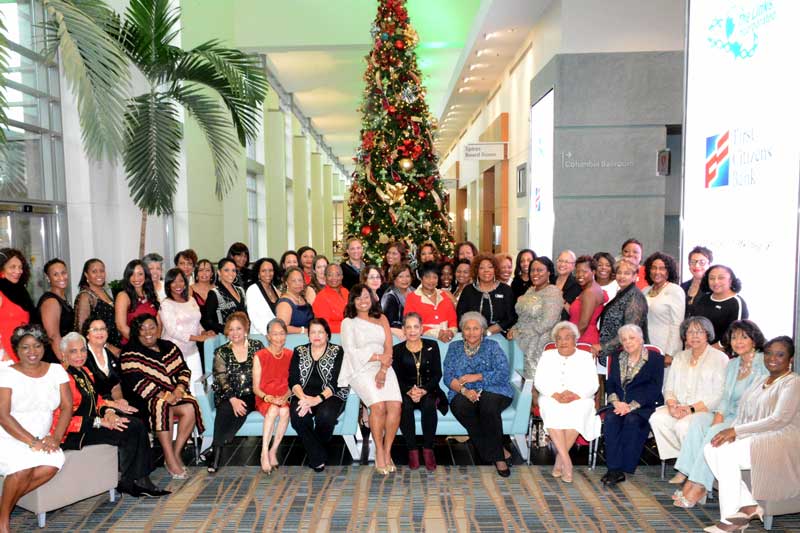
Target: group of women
(141, 354)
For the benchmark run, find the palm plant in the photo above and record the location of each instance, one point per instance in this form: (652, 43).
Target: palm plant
(221, 88)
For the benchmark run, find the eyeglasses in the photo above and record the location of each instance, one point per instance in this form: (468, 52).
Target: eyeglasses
(97, 330)
(373, 277)
(698, 262)
(565, 262)
(695, 332)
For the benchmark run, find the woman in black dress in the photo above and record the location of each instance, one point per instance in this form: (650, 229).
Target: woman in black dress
(224, 299)
(418, 366)
(56, 313)
(94, 301)
(488, 296)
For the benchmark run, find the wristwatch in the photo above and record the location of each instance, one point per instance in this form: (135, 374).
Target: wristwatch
(321, 397)
(96, 424)
(691, 408)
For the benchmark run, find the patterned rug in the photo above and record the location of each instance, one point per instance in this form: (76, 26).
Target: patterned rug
(355, 499)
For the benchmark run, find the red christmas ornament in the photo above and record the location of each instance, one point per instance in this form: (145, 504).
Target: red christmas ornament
(366, 230)
(399, 44)
(422, 195)
(392, 109)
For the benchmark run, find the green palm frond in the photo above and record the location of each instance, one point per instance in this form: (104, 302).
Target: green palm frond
(147, 34)
(218, 130)
(95, 68)
(237, 77)
(152, 152)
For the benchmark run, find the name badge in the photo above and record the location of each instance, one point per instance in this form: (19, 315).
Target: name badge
(498, 295)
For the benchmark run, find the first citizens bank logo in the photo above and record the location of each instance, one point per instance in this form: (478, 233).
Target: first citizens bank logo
(737, 157)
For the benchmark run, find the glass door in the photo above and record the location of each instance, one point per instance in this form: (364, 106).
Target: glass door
(39, 231)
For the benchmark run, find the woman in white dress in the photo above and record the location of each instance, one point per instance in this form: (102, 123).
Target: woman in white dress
(567, 380)
(666, 304)
(30, 391)
(367, 368)
(180, 322)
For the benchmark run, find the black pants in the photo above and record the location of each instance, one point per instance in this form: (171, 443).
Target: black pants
(625, 437)
(133, 448)
(430, 420)
(483, 423)
(315, 429)
(226, 423)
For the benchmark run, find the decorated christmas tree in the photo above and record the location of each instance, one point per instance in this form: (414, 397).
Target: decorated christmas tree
(396, 193)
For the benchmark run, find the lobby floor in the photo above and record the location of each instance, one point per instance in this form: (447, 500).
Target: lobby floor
(459, 496)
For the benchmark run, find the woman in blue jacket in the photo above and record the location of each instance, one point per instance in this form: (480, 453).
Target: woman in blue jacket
(634, 391)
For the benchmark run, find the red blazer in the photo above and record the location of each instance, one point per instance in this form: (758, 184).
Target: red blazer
(432, 315)
(330, 305)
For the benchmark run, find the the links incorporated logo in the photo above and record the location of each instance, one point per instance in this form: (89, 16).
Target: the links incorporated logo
(738, 31)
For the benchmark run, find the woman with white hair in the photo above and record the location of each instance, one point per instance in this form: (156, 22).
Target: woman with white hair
(567, 380)
(635, 378)
(477, 373)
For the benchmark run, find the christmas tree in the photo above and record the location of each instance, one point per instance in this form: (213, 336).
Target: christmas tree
(396, 193)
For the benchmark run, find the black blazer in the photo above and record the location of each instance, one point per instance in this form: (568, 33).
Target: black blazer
(102, 383)
(502, 310)
(570, 291)
(430, 370)
(645, 388)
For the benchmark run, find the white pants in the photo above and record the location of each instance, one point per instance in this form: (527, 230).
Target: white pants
(669, 432)
(727, 462)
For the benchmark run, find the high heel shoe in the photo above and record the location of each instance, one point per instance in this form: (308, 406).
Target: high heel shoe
(213, 465)
(716, 529)
(741, 518)
(391, 467)
(183, 474)
(382, 470)
(677, 494)
(684, 502)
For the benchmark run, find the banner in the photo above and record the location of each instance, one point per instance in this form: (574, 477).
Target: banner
(542, 212)
(742, 148)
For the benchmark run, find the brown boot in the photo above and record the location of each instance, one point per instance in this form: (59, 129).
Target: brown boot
(430, 460)
(413, 459)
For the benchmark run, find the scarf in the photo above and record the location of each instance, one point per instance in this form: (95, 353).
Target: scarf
(18, 294)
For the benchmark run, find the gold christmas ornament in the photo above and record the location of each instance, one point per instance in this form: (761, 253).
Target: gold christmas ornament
(406, 164)
(393, 193)
(383, 239)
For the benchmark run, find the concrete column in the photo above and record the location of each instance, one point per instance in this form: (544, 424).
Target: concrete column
(316, 202)
(275, 176)
(301, 155)
(327, 207)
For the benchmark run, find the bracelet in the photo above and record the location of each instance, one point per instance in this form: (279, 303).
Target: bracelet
(96, 424)
(303, 330)
(321, 397)
(33, 442)
(462, 389)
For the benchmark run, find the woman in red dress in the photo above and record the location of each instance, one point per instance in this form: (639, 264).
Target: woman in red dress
(586, 308)
(16, 305)
(138, 297)
(271, 387)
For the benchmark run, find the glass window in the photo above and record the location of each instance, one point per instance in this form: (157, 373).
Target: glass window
(33, 167)
(252, 213)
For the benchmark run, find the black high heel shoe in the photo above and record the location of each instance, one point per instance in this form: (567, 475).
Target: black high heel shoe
(500, 472)
(213, 465)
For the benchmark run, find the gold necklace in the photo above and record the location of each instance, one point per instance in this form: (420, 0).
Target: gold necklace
(417, 363)
(765, 385)
(276, 355)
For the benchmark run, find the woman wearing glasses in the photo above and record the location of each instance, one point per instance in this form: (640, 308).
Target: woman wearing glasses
(699, 259)
(693, 385)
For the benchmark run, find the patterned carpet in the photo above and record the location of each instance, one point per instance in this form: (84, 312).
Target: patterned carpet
(354, 499)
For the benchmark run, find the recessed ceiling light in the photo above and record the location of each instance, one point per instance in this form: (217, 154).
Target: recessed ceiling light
(482, 52)
(468, 79)
(477, 66)
(464, 89)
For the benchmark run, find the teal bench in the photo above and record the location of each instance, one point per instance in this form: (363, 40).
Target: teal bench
(515, 417)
